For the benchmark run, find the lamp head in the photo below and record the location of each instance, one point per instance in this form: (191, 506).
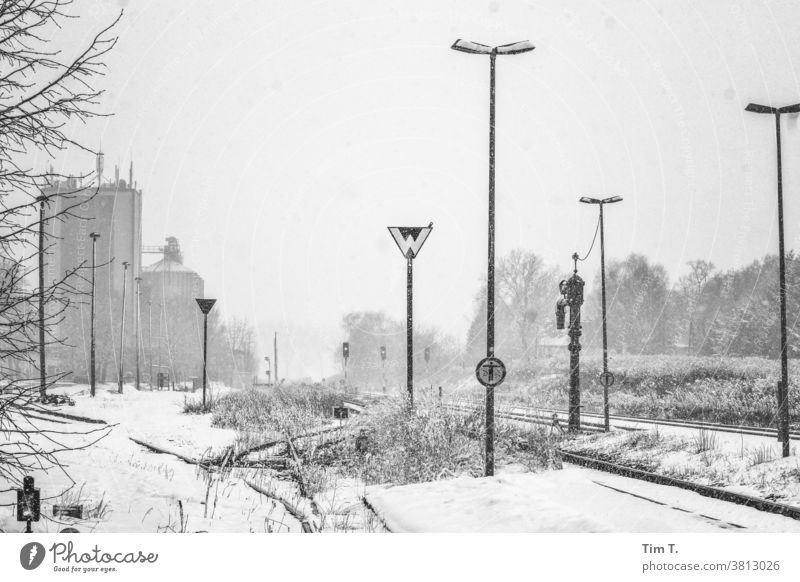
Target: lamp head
(514, 48)
(756, 108)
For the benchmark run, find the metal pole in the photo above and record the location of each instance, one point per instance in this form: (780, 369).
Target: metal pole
(92, 372)
(136, 323)
(409, 331)
(275, 349)
(489, 469)
(205, 355)
(150, 333)
(42, 361)
(122, 327)
(605, 329)
(783, 393)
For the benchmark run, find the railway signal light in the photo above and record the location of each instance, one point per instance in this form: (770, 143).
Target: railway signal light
(383, 353)
(28, 503)
(345, 350)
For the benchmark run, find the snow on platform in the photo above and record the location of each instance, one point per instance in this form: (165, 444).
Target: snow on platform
(570, 500)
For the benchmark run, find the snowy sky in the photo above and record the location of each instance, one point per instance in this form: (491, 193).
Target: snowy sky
(278, 139)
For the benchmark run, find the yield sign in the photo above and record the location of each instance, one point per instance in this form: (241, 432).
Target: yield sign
(205, 305)
(410, 239)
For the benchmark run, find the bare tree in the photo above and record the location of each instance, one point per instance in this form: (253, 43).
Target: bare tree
(42, 91)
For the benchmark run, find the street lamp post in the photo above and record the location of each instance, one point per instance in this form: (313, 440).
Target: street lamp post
(205, 306)
(783, 386)
(491, 52)
(605, 378)
(136, 324)
(150, 332)
(125, 265)
(92, 372)
(42, 362)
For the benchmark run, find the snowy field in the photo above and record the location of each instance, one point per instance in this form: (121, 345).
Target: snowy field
(143, 489)
(571, 500)
(134, 489)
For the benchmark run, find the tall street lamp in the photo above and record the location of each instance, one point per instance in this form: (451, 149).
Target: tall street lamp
(783, 386)
(150, 332)
(125, 265)
(205, 306)
(492, 52)
(137, 322)
(606, 379)
(92, 374)
(42, 362)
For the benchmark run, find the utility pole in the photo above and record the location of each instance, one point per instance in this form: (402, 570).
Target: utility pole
(409, 240)
(137, 323)
(92, 372)
(606, 378)
(491, 52)
(783, 385)
(125, 265)
(205, 306)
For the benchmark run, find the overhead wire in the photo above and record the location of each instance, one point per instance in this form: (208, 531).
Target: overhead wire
(594, 239)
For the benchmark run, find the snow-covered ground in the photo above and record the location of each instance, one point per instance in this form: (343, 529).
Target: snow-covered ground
(143, 488)
(571, 500)
(148, 492)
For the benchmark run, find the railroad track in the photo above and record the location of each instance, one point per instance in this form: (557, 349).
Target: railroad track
(698, 424)
(633, 473)
(546, 420)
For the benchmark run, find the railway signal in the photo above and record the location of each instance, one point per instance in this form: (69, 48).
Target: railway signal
(345, 357)
(492, 52)
(409, 240)
(205, 306)
(601, 203)
(383, 367)
(28, 503)
(572, 297)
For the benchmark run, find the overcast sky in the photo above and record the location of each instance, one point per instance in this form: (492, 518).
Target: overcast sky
(278, 139)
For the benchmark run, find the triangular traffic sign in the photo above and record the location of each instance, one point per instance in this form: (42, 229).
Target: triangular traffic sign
(410, 239)
(205, 305)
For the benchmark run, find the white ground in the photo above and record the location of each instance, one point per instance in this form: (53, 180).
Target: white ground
(571, 500)
(143, 488)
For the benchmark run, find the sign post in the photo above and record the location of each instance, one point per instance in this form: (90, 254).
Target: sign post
(410, 240)
(205, 306)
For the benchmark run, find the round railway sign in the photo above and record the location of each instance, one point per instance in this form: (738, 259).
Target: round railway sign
(607, 379)
(490, 371)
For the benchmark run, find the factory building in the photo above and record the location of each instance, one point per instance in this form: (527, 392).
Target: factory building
(113, 209)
